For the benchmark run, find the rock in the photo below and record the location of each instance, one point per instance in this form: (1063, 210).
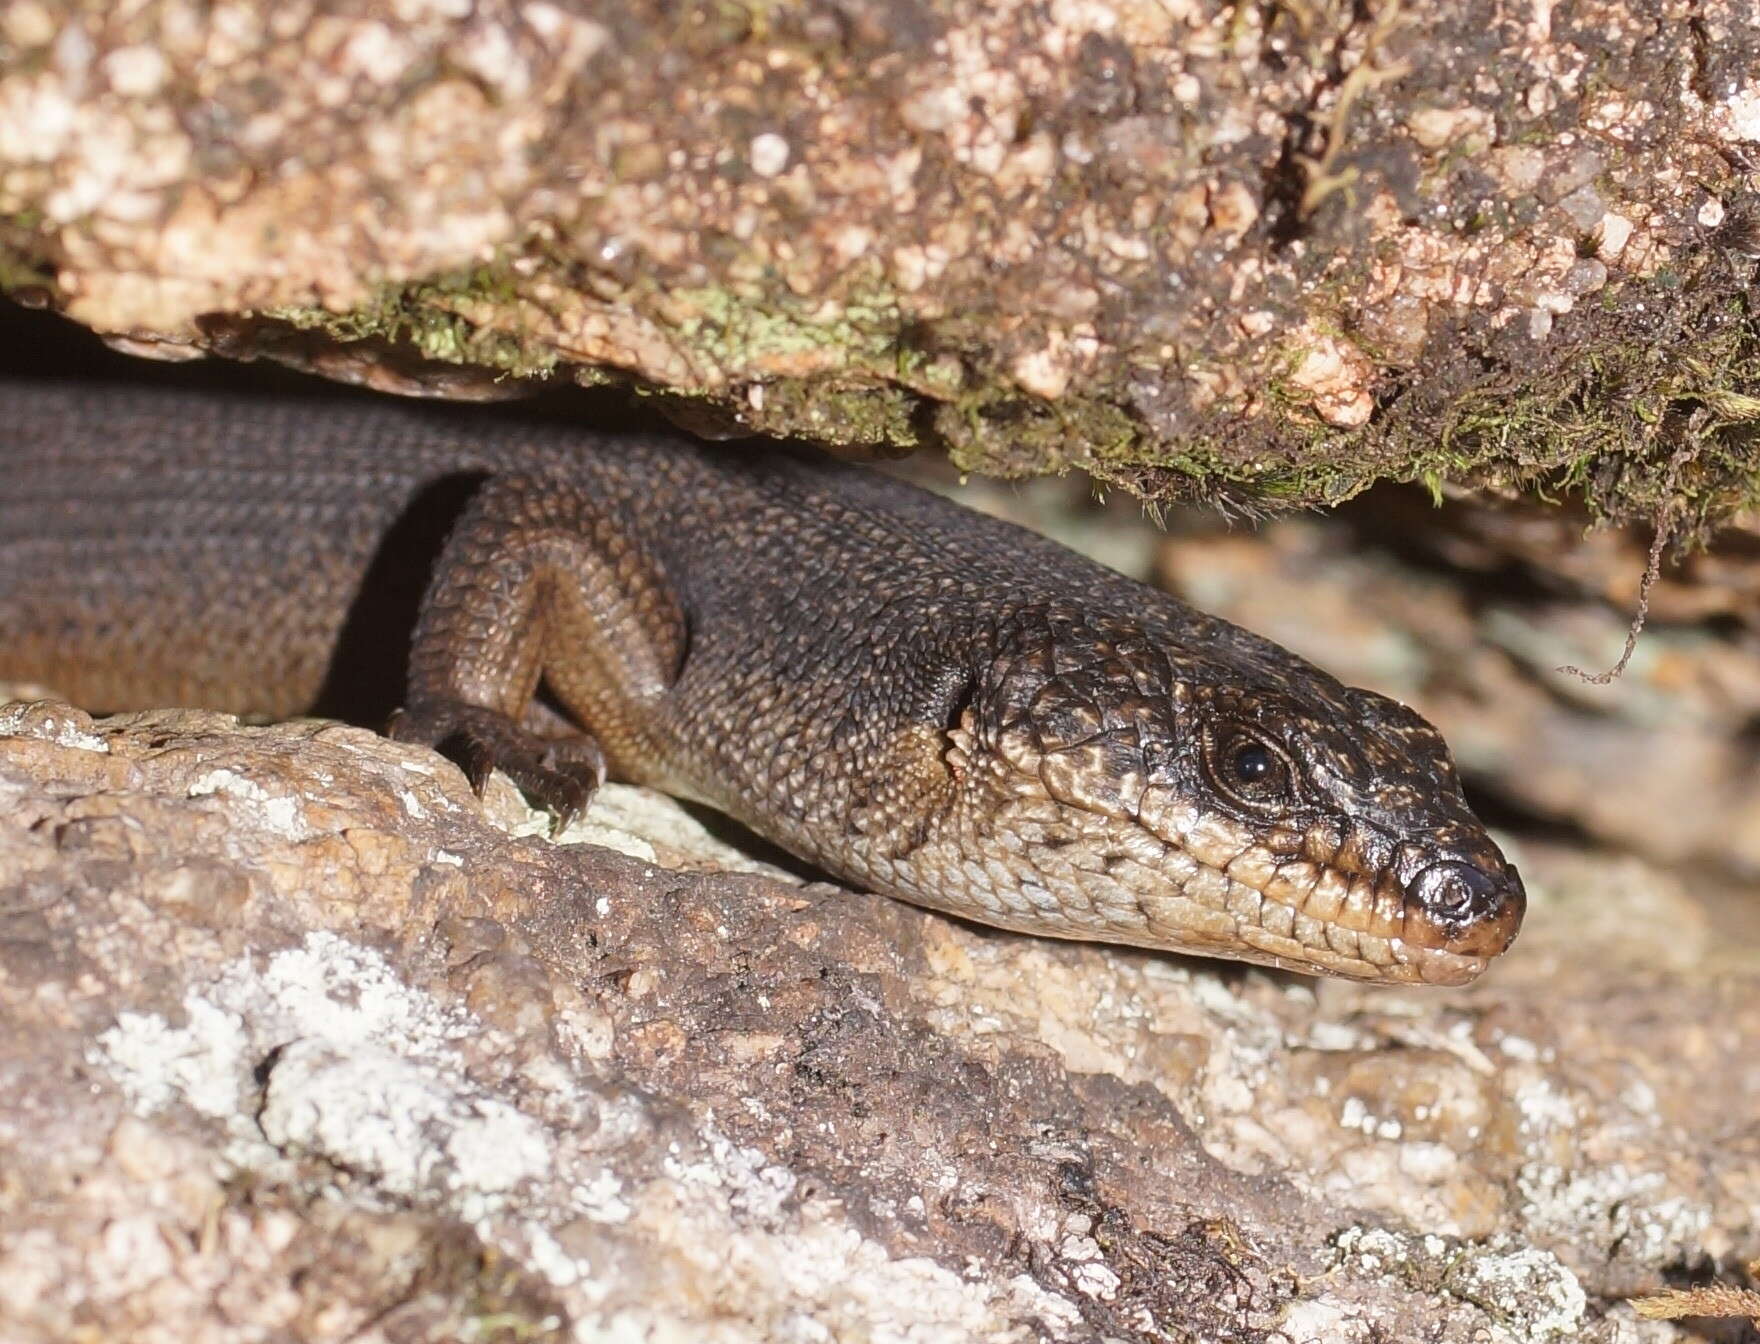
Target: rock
(1474, 624)
(1259, 252)
(303, 1040)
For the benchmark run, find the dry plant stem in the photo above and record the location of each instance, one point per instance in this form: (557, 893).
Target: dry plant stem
(1711, 1299)
(1322, 180)
(1652, 571)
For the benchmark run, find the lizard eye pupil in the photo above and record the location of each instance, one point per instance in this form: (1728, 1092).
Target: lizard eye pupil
(1250, 770)
(1252, 763)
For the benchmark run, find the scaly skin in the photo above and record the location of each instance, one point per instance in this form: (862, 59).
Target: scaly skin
(919, 699)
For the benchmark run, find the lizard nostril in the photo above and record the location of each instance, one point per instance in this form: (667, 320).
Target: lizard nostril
(1456, 892)
(1464, 908)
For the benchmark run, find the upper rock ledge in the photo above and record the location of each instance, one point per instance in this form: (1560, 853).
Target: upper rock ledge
(1264, 253)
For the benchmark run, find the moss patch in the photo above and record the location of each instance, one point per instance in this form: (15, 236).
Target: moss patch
(1649, 385)
(1646, 385)
(1657, 379)
(429, 317)
(23, 265)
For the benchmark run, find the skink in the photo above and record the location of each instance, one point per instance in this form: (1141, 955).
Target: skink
(916, 698)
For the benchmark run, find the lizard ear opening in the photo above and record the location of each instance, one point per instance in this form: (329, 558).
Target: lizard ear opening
(957, 702)
(959, 729)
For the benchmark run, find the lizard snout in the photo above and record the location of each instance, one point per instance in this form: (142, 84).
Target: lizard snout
(1465, 908)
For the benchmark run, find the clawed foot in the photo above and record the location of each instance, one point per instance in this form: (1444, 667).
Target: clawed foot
(561, 774)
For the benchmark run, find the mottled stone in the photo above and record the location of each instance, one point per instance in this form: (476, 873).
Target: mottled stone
(301, 1037)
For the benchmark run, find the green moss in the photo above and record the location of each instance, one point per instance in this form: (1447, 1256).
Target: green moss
(751, 20)
(429, 317)
(1644, 400)
(22, 263)
(849, 413)
(1647, 383)
(1630, 411)
(1014, 434)
(862, 384)
(735, 331)
(18, 274)
(1626, 417)
(1598, 410)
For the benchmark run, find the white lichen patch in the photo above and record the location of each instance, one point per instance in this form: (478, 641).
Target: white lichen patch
(1525, 1290)
(281, 813)
(766, 1264)
(842, 1285)
(1544, 1108)
(363, 1070)
(366, 1072)
(601, 1198)
(198, 1063)
(411, 1128)
(40, 719)
(1612, 1206)
(755, 1187)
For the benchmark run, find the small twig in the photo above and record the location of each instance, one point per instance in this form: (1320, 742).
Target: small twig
(1322, 181)
(1652, 572)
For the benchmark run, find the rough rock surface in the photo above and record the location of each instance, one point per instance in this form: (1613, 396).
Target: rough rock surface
(1273, 251)
(302, 1040)
(1662, 762)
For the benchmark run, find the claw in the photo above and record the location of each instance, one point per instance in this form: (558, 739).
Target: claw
(472, 755)
(568, 809)
(559, 774)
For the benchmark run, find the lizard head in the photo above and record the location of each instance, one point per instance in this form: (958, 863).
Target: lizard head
(1201, 789)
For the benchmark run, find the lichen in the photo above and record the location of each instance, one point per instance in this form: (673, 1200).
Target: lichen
(1527, 1290)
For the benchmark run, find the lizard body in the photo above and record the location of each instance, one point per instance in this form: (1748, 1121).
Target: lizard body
(922, 700)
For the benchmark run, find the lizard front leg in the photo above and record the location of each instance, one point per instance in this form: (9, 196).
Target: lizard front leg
(540, 584)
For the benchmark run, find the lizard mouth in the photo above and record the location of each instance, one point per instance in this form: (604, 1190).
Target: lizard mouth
(1363, 908)
(1175, 879)
(1047, 850)
(1349, 925)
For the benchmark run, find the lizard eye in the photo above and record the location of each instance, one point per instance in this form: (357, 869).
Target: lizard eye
(1249, 769)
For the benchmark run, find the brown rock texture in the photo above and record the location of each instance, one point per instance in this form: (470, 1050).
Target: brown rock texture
(303, 1041)
(1476, 616)
(1267, 253)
